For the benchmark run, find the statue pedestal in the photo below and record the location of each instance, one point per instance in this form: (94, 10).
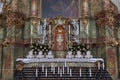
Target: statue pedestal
(59, 54)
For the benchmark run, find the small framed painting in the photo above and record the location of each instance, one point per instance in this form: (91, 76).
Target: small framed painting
(65, 8)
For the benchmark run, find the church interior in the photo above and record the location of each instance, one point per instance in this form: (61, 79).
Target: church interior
(59, 39)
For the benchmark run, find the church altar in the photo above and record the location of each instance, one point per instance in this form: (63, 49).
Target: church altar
(60, 62)
(91, 60)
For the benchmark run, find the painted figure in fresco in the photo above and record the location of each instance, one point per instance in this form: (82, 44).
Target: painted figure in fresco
(66, 8)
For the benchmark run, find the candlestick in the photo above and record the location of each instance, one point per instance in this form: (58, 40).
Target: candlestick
(58, 70)
(80, 72)
(63, 69)
(42, 68)
(70, 72)
(67, 70)
(90, 71)
(36, 72)
(65, 64)
(98, 65)
(46, 72)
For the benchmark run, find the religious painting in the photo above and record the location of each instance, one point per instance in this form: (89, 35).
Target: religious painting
(59, 39)
(65, 8)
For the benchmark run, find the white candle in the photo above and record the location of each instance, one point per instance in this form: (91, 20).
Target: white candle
(80, 72)
(46, 72)
(49, 29)
(63, 69)
(41, 29)
(103, 65)
(31, 33)
(65, 64)
(51, 67)
(69, 29)
(98, 65)
(31, 30)
(90, 72)
(58, 70)
(36, 72)
(42, 68)
(70, 72)
(67, 70)
(53, 70)
(77, 29)
(38, 29)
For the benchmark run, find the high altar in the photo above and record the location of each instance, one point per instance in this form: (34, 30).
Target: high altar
(59, 39)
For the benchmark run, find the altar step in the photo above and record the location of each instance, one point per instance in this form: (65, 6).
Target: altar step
(86, 74)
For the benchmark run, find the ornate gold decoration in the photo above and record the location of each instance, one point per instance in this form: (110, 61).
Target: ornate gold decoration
(13, 18)
(114, 42)
(6, 42)
(106, 17)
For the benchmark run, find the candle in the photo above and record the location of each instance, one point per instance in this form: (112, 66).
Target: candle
(69, 29)
(63, 69)
(31, 29)
(98, 65)
(67, 70)
(36, 72)
(53, 70)
(46, 72)
(65, 64)
(58, 70)
(90, 71)
(77, 29)
(51, 67)
(41, 30)
(103, 65)
(70, 72)
(49, 29)
(42, 68)
(80, 72)
(38, 30)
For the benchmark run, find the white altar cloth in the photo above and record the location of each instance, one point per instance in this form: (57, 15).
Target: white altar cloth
(91, 60)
